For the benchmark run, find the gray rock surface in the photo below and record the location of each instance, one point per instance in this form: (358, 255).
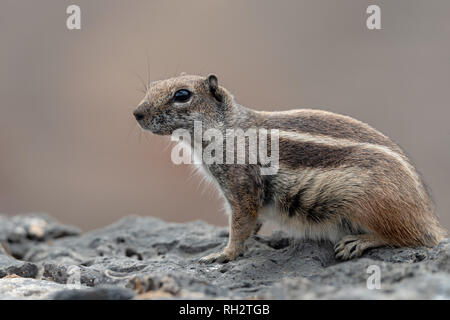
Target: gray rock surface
(144, 258)
(21, 232)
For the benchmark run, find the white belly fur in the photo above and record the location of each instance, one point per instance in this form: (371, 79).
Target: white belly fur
(297, 228)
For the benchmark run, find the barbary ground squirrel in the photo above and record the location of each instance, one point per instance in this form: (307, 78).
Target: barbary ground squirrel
(338, 178)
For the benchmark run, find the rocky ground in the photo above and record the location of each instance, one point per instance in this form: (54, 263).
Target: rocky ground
(144, 258)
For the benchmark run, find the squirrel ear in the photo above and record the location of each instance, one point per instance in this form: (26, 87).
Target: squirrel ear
(213, 85)
(212, 82)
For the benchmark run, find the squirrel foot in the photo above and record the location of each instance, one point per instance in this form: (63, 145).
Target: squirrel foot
(220, 257)
(353, 246)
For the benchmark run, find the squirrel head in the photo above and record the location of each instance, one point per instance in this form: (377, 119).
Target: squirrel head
(177, 102)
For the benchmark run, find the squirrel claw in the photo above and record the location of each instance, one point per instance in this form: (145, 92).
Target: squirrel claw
(220, 257)
(354, 246)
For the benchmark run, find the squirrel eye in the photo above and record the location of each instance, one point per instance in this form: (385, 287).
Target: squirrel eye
(182, 95)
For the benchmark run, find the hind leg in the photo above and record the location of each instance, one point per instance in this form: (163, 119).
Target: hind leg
(353, 246)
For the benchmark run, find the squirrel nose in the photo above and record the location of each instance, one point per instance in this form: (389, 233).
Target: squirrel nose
(138, 115)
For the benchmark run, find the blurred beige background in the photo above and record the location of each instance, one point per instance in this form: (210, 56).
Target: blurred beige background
(70, 147)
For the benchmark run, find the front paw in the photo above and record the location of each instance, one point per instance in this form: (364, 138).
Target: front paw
(220, 257)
